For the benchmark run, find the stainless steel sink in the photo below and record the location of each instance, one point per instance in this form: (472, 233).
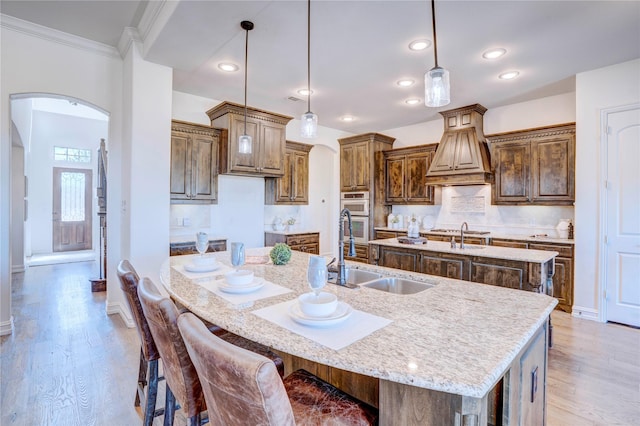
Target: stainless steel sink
(398, 285)
(356, 276)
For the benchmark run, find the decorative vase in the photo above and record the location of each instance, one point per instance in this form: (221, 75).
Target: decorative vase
(563, 228)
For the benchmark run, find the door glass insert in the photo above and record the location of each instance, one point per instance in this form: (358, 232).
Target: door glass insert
(72, 196)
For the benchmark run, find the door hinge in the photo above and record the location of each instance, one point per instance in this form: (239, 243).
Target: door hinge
(606, 240)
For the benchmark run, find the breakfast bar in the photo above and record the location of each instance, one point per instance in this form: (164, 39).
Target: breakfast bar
(456, 353)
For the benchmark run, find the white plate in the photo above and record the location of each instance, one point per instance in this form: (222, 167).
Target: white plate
(256, 284)
(343, 311)
(207, 267)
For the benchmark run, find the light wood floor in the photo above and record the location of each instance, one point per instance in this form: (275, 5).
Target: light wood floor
(68, 363)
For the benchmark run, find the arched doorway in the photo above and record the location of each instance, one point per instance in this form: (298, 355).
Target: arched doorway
(55, 140)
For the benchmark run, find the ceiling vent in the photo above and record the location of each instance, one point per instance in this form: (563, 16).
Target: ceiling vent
(294, 99)
(462, 156)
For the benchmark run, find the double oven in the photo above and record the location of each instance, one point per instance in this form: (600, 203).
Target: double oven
(358, 205)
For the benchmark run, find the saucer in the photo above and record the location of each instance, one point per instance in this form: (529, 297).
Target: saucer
(256, 284)
(342, 312)
(207, 267)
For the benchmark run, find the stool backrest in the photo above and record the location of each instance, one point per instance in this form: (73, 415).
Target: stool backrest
(241, 387)
(179, 372)
(129, 280)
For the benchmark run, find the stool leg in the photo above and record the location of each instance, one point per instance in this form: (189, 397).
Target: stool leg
(152, 393)
(142, 378)
(169, 407)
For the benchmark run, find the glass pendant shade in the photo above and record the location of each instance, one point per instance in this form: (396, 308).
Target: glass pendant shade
(244, 144)
(437, 91)
(309, 125)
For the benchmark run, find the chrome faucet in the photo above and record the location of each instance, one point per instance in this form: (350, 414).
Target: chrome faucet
(464, 226)
(342, 274)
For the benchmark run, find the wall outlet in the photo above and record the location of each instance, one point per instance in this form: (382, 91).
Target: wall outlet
(186, 222)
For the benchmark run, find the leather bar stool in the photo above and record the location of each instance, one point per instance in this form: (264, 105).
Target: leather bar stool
(182, 380)
(147, 389)
(243, 388)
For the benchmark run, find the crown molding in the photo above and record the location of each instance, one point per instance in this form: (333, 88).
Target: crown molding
(49, 34)
(129, 36)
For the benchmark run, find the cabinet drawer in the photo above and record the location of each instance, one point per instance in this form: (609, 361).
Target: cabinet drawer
(312, 248)
(383, 235)
(362, 253)
(302, 239)
(512, 244)
(565, 250)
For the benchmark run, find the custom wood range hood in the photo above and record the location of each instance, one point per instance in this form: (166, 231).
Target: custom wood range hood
(462, 156)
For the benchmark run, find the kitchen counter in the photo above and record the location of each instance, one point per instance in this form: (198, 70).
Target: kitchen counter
(292, 232)
(456, 339)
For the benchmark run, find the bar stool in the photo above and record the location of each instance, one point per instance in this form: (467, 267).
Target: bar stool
(182, 380)
(148, 370)
(243, 388)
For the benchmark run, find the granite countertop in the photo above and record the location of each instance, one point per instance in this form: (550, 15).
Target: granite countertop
(457, 337)
(494, 252)
(537, 238)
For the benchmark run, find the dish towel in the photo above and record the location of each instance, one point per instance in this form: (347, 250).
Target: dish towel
(359, 324)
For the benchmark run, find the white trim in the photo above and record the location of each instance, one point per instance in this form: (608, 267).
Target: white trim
(6, 327)
(18, 268)
(127, 38)
(55, 36)
(123, 311)
(586, 313)
(602, 228)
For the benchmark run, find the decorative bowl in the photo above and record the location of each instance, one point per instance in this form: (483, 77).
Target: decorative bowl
(322, 305)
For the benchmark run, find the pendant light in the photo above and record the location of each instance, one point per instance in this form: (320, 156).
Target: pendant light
(309, 121)
(245, 141)
(436, 80)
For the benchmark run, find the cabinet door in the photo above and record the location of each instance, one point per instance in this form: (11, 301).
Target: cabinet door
(204, 163)
(383, 235)
(399, 259)
(354, 167)
(300, 178)
(508, 274)
(444, 267)
(395, 180)
(284, 185)
(272, 148)
(532, 382)
(563, 283)
(553, 171)
(180, 180)
(243, 163)
(507, 243)
(511, 166)
(416, 173)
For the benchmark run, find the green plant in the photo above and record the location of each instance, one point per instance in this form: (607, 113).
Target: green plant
(280, 254)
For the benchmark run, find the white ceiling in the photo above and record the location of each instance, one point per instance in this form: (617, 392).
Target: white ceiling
(359, 49)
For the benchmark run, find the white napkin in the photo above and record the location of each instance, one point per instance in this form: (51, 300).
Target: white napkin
(358, 325)
(268, 290)
(221, 270)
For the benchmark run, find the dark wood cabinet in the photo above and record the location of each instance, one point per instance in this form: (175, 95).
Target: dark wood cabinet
(449, 267)
(355, 167)
(307, 242)
(268, 132)
(405, 175)
(534, 167)
(563, 275)
(383, 235)
(362, 253)
(503, 273)
(189, 247)
(481, 241)
(293, 187)
(194, 163)
(407, 260)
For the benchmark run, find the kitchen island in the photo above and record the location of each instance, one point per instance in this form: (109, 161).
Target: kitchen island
(456, 353)
(521, 269)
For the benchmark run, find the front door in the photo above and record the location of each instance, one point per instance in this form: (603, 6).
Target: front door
(623, 217)
(71, 209)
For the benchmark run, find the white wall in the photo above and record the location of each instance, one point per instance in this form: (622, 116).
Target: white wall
(17, 209)
(596, 90)
(36, 64)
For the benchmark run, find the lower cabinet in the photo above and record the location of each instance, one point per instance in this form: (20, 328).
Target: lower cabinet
(189, 247)
(362, 253)
(307, 242)
(383, 235)
(449, 267)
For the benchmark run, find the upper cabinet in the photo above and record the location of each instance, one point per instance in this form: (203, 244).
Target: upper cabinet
(293, 187)
(354, 166)
(268, 131)
(194, 163)
(534, 167)
(405, 175)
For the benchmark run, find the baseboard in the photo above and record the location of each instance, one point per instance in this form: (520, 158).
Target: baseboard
(6, 327)
(123, 311)
(18, 268)
(586, 313)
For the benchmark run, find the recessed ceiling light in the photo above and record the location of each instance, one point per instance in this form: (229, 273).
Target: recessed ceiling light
(347, 118)
(509, 75)
(413, 101)
(405, 83)
(494, 53)
(305, 92)
(419, 44)
(228, 67)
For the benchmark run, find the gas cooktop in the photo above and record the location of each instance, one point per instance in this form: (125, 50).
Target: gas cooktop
(457, 231)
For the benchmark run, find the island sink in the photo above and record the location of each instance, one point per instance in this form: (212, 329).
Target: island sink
(355, 276)
(398, 285)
